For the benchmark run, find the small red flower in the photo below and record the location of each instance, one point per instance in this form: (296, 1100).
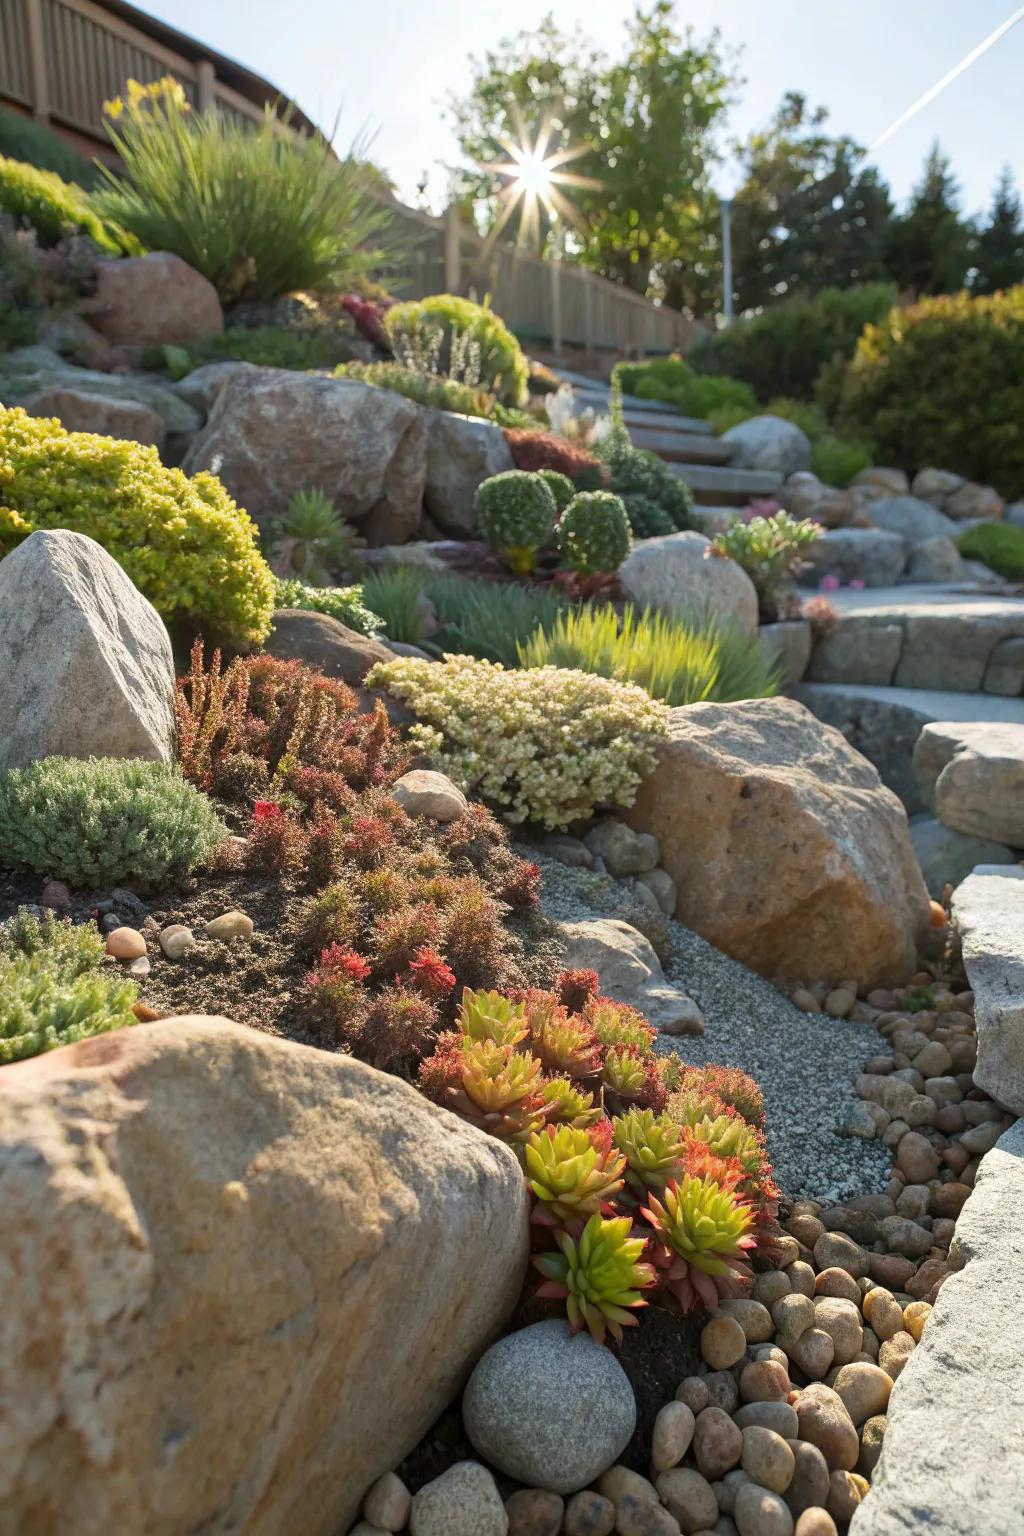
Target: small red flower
(266, 810)
(429, 974)
(338, 964)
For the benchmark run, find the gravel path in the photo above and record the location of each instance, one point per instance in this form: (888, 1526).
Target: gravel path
(805, 1064)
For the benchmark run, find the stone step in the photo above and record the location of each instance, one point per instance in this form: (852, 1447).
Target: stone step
(946, 637)
(672, 426)
(682, 447)
(719, 486)
(884, 723)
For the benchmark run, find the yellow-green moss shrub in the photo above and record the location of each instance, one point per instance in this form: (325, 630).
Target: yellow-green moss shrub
(55, 208)
(184, 542)
(498, 358)
(545, 745)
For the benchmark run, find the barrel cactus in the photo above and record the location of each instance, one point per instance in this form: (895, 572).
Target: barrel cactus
(516, 511)
(593, 534)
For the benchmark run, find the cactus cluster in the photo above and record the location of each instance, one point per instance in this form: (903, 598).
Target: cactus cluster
(593, 533)
(516, 512)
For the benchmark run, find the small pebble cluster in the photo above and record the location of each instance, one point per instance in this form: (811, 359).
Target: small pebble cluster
(611, 847)
(129, 945)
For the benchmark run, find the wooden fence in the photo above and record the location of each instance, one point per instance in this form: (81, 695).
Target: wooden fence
(61, 59)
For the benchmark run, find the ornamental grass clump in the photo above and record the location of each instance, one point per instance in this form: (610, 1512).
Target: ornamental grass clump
(516, 512)
(545, 745)
(101, 822)
(672, 660)
(184, 542)
(593, 533)
(54, 986)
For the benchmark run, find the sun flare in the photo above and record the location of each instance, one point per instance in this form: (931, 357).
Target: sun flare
(535, 180)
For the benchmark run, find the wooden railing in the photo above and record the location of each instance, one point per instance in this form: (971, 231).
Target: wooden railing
(61, 59)
(539, 298)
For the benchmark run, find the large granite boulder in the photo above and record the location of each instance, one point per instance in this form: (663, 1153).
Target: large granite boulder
(871, 555)
(86, 668)
(80, 410)
(972, 772)
(787, 851)
(676, 575)
(241, 1278)
(988, 911)
(915, 521)
(947, 857)
(149, 301)
(28, 372)
(953, 1461)
(769, 442)
(272, 432)
(462, 451)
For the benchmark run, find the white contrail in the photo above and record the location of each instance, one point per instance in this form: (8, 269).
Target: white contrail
(940, 86)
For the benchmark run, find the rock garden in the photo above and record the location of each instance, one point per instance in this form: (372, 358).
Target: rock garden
(511, 912)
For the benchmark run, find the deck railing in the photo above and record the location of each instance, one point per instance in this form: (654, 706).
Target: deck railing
(61, 59)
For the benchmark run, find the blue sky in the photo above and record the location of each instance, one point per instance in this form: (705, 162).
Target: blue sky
(390, 65)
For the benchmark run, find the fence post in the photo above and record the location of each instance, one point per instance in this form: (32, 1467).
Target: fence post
(206, 96)
(588, 309)
(452, 250)
(37, 60)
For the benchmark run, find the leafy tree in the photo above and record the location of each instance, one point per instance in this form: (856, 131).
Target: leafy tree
(929, 248)
(643, 125)
(999, 252)
(808, 216)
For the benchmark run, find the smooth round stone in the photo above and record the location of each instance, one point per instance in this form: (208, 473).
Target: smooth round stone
(717, 1443)
(882, 1312)
(753, 1317)
(464, 1501)
(534, 1512)
(917, 1158)
(914, 1318)
(825, 1422)
(809, 1483)
(764, 1381)
(728, 1488)
(689, 1497)
(619, 1480)
(767, 1459)
(770, 1287)
(792, 1316)
(388, 1503)
(834, 1250)
(177, 941)
(551, 1409)
(722, 1390)
(871, 1436)
(140, 968)
(694, 1393)
(841, 1320)
(801, 1275)
(230, 925)
(424, 792)
(781, 1417)
(864, 1389)
(836, 1282)
(815, 1522)
(644, 1517)
(806, 1229)
(759, 1512)
(845, 1491)
(840, 1003)
(722, 1341)
(126, 944)
(895, 1353)
(812, 1353)
(671, 1437)
(589, 1514)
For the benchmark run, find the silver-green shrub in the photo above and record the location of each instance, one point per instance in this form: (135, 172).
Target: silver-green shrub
(55, 988)
(593, 534)
(99, 822)
(516, 512)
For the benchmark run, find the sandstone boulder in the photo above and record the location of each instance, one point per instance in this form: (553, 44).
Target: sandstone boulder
(972, 500)
(149, 301)
(79, 410)
(769, 442)
(935, 485)
(787, 851)
(675, 575)
(462, 451)
(86, 668)
(241, 1278)
(988, 910)
(272, 432)
(972, 771)
(326, 644)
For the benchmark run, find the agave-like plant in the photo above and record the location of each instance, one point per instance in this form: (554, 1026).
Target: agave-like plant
(569, 1105)
(619, 1024)
(490, 1016)
(565, 1043)
(701, 1232)
(572, 1174)
(599, 1274)
(652, 1146)
(494, 1087)
(730, 1137)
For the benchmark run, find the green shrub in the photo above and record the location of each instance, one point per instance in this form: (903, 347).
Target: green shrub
(593, 533)
(100, 822)
(835, 460)
(675, 662)
(1000, 546)
(674, 382)
(783, 350)
(516, 514)
(548, 746)
(342, 603)
(433, 389)
(54, 986)
(22, 138)
(502, 364)
(54, 208)
(257, 211)
(274, 346)
(768, 549)
(656, 501)
(940, 383)
(184, 542)
(560, 486)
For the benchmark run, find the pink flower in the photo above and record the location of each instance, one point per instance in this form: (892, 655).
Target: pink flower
(266, 810)
(858, 584)
(830, 583)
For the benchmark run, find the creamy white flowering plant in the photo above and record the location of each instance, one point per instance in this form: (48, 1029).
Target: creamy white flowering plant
(545, 745)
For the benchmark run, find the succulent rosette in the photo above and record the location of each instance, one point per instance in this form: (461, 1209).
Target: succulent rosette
(700, 1235)
(600, 1275)
(573, 1173)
